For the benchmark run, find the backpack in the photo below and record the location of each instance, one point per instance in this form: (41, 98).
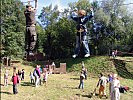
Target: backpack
(123, 89)
(35, 73)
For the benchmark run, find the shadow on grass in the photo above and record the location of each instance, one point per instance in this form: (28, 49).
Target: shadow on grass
(131, 91)
(88, 96)
(4, 85)
(6, 92)
(1, 84)
(27, 84)
(121, 69)
(75, 78)
(71, 87)
(91, 96)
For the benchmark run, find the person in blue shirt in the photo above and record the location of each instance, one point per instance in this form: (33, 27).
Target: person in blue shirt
(81, 37)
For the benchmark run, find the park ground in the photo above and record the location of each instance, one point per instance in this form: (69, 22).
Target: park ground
(61, 86)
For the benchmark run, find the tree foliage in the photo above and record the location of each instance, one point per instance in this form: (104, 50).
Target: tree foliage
(12, 28)
(110, 14)
(56, 35)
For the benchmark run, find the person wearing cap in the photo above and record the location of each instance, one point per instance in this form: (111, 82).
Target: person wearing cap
(81, 36)
(115, 85)
(31, 36)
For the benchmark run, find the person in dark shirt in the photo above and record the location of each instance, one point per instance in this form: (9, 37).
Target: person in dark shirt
(82, 77)
(31, 36)
(19, 74)
(81, 37)
(22, 78)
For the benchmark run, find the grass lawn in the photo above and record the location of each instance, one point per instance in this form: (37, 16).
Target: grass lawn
(60, 87)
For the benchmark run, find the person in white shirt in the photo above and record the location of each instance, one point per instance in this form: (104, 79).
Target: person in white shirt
(31, 78)
(102, 82)
(6, 74)
(115, 85)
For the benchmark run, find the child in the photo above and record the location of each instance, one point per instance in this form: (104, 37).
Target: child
(84, 72)
(45, 78)
(14, 69)
(82, 77)
(19, 74)
(6, 78)
(40, 79)
(15, 80)
(110, 79)
(31, 78)
(102, 82)
(22, 78)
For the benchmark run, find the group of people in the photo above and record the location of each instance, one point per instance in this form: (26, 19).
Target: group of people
(114, 53)
(114, 84)
(39, 75)
(16, 78)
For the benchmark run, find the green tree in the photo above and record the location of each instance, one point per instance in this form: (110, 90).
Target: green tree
(12, 28)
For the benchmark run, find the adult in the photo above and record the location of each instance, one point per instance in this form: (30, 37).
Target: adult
(115, 85)
(81, 37)
(37, 75)
(53, 65)
(31, 36)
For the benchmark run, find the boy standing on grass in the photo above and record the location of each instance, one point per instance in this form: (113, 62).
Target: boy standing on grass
(6, 78)
(102, 82)
(15, 80)
(82, 77)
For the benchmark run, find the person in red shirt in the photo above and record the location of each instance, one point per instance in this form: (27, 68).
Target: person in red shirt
(15, 80)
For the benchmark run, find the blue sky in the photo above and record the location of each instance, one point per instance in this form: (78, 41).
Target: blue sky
(62, 3)
(42, 3)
